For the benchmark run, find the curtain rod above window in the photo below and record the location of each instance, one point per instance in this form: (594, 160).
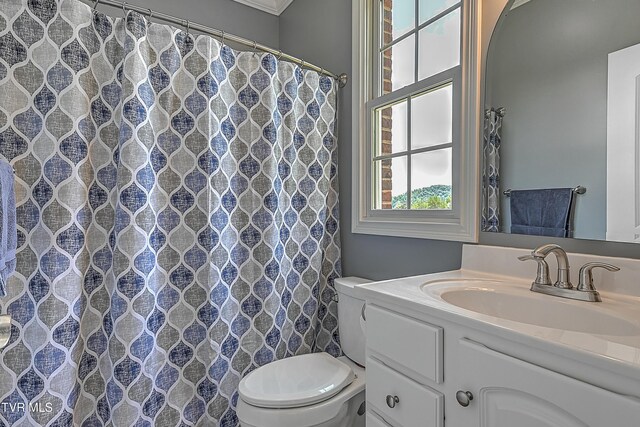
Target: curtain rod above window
(342, 78)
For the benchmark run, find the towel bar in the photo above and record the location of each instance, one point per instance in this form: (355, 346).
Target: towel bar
(578, 190)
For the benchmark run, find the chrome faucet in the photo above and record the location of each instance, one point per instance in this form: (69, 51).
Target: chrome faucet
(585, 291)
(542, 276)
(563, 281)
(586, 277)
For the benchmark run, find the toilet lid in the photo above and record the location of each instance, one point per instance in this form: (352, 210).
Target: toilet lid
(296, 381)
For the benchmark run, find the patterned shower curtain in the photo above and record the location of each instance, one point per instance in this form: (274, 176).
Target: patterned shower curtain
(178, 218)
(491, 170)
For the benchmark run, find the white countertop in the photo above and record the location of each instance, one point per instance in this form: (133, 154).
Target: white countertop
(615, 353)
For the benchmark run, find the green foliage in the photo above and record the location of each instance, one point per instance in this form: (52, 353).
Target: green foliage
(433, 197)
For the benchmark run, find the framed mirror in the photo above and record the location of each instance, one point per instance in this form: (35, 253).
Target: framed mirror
(562, 120)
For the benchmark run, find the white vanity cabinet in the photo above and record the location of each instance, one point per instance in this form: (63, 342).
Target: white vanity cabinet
(509, 392)
(417, 363)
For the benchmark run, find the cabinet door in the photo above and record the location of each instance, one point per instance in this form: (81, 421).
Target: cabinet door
(509, 392)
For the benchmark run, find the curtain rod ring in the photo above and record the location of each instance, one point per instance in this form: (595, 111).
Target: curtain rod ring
(95, 5)
(279, 54)
(150, 13)
(223, 36)
(302, 63)
(124, 8)
(188, 27)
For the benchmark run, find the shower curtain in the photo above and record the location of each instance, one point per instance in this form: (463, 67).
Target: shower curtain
(178, 218)
(492, 139)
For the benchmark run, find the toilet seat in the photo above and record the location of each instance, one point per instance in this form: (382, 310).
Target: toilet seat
(296, 381)
(306, 416)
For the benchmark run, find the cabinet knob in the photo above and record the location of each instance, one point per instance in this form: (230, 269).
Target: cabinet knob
(463, 398)
(392, 401)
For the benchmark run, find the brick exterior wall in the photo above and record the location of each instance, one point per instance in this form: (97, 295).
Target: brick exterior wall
(387, 119)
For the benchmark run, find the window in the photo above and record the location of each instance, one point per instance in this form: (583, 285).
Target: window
(414, 154)
(417, 49)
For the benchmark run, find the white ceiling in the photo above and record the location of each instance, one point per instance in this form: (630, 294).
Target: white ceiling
(275, 7)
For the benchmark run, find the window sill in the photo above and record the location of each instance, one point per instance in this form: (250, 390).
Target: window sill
(451, 229)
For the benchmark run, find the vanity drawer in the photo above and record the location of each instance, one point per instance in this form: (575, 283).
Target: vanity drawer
(374, 421)
(397, 339)
(416, 405)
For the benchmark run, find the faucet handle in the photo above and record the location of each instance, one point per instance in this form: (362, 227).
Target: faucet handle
(586, 276)
(542, 276)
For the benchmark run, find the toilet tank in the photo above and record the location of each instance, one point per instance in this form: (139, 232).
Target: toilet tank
(350, 326)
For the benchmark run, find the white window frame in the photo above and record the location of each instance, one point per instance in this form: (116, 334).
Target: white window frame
(461, 223)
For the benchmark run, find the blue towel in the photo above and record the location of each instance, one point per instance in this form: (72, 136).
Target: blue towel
(8, 226)
(545, 212)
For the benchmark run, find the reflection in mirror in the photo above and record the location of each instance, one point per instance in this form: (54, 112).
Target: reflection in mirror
(561, 88)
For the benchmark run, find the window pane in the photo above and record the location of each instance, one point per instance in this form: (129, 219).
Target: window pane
(392, 129)
(430, 8)
(439, 45)
(398, 18)
(431, 180)
(398, 65)
(432, 118)
(392, 183)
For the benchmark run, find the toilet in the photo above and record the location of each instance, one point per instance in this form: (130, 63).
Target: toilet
(313, 390)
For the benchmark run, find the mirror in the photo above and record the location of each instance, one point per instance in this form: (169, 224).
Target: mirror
(565, 75)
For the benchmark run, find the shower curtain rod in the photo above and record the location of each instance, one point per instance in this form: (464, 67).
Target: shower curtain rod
(342, 78)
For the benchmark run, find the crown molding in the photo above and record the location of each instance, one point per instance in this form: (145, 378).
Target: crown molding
(275, 7)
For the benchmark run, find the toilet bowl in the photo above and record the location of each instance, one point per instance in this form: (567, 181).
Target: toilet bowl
(312, 390)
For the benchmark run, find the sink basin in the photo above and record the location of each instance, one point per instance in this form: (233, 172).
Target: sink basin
(516, 303)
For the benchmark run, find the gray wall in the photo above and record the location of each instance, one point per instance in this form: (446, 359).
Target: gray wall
(547, 66)
(226, 15)
(320, 32)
